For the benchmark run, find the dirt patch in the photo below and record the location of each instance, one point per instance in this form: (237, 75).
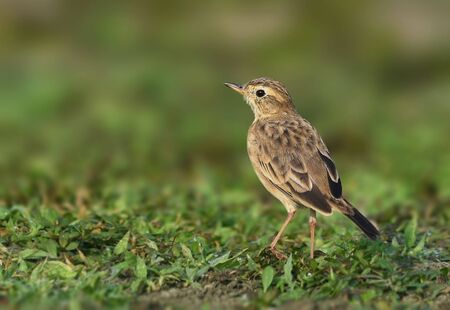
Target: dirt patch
(227, 290)
(220, 290)
(307, 304)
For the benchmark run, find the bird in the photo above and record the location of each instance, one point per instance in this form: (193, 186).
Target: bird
(291, 160)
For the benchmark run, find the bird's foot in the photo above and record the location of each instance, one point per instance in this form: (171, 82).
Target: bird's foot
(278, 254)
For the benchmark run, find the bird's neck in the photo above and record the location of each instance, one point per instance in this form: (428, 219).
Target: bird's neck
(277, 115)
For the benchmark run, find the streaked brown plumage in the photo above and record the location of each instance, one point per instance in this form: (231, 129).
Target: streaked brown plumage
(291, 160)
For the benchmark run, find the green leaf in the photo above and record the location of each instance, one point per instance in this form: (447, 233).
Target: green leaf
(51, 246)
(63, 240)
(141, 268)
(37, 271)
(32, 254)
(395, 243)
(410, 232)
(152, 245)
(219, 260)
(368, 295)
(332, 275)
(251, 263)
(117, 268)
(59, 270)
(202, 271)
(136, 285)
(122, 245)
(22, 265)
(419, 247)
(186, 251)
(3, 213)
(190, 273)
(267, 277)
(288, 271)
(26, 253)
(72, 246)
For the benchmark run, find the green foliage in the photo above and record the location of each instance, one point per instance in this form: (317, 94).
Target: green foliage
(267, 277)
(122, 245)
(111, 255)
(410, 232)
(288, 272)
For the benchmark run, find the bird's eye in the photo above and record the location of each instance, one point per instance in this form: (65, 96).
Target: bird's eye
(260, 93)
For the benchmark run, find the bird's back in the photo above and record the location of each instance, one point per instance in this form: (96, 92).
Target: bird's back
(286, 152)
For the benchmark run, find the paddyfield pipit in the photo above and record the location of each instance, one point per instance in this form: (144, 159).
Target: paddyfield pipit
(291, 159)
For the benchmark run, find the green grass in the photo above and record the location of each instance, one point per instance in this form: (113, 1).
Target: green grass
(126, 245)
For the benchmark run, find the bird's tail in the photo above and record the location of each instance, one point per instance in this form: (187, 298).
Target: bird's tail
(363, 223)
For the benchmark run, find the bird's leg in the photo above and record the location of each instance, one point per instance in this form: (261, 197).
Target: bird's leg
(312, 226)
(278, 254)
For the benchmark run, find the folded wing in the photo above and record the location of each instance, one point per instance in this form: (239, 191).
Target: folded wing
(281, 162)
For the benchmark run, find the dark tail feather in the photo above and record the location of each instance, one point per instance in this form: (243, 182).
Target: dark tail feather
(364, 224)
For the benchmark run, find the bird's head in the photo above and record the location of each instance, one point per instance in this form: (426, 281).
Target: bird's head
(266, 97)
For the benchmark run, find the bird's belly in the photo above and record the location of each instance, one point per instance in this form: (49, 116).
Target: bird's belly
(285, 200)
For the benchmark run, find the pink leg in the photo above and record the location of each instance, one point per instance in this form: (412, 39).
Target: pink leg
(278, 254)
(312, 226)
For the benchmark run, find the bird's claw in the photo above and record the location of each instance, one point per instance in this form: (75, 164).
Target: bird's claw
(278, 254)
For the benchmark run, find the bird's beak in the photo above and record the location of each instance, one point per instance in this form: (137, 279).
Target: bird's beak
(236, 87)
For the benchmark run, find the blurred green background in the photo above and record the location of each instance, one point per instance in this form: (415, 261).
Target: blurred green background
(95, 93)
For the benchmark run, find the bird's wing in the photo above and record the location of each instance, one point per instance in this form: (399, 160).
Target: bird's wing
(281, 152)
(333, 178)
